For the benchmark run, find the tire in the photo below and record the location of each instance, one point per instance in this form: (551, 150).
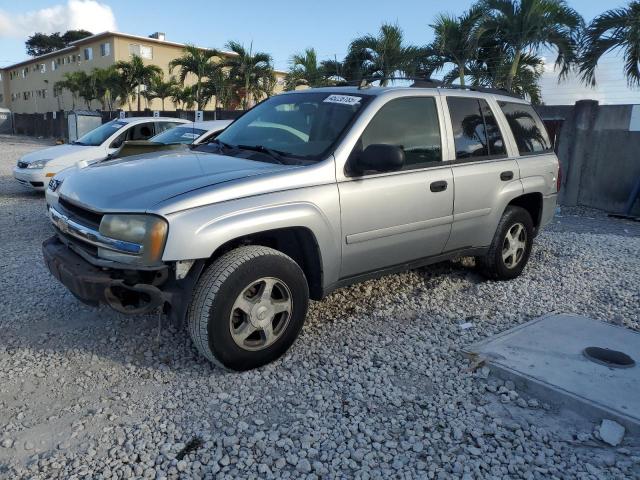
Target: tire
(248, 307)
(516, 222)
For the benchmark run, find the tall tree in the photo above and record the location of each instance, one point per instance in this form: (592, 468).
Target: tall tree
(617, 29)
(137, 75)
(41, 43)
(159, 88)
(384, 54)
(197, 62)
(524, 26)
(305, 70)
(184, 97)
(219, 85)
(456, 39)
(251, 72)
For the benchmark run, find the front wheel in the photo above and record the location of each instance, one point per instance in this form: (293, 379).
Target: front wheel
(511, 246)
(248, 307)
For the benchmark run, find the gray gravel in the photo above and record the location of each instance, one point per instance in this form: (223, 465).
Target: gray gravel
(375, 387)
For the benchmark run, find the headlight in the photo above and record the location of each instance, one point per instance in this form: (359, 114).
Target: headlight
(38, 164)
(146, 230)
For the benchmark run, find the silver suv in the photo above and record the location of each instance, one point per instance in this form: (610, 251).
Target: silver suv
(307, 192)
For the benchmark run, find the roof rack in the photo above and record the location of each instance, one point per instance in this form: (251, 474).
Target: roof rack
(427, 82)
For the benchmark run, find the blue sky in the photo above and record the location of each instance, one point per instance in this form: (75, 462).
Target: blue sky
(280, 28)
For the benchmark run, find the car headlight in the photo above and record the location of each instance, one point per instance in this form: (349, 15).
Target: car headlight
(38, 163)
(149, 231)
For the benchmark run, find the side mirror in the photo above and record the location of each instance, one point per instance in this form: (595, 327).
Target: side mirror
(380, 158)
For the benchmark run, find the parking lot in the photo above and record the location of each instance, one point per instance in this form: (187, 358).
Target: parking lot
(375, 387)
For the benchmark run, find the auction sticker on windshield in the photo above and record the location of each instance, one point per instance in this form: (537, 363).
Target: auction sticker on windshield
(343, 99)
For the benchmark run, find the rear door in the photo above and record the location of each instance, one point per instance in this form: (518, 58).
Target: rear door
(397, 217)
(484, 173)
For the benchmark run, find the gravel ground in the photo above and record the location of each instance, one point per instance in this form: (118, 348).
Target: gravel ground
(375, 387)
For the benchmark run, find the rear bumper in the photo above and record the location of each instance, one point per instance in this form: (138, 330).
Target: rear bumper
(549, 204)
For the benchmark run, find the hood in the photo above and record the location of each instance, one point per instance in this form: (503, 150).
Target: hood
(140, 182)
(65, 154)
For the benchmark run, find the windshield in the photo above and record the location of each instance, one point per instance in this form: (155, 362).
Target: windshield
(97, 136)
(303, 125)
(185, 135)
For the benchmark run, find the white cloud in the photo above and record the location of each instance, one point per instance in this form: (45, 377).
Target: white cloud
(611, 85)
(76, 14)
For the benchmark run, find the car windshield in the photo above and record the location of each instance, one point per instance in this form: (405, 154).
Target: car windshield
(184, 134)
(98, 135)
(302, 125)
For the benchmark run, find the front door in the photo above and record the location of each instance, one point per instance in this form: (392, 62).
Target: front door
(393, 218)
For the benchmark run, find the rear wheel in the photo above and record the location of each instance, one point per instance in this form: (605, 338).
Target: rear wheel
(511, 246)
(248, 307)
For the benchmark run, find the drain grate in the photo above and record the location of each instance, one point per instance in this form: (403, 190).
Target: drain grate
(609, 358)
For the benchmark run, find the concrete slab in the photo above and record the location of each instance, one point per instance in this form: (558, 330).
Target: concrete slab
(544, 357)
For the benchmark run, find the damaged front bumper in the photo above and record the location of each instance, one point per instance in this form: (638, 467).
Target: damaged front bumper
(126, 291)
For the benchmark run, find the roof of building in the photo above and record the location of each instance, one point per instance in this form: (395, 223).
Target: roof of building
(74, 45)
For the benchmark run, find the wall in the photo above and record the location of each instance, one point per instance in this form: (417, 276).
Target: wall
(600, 156)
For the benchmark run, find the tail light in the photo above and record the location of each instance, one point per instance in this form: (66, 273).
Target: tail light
(559, 178)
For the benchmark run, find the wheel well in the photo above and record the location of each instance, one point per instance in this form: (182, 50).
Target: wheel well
(299, 243)
(532, 203)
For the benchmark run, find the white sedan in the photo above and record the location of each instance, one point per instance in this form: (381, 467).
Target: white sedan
(35, 169)
(193, 133)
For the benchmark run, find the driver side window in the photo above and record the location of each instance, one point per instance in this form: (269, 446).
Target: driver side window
(409, 123)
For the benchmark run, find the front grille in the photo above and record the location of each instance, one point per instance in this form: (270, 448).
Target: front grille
(80, 214)
(22, 164)
(90, 249)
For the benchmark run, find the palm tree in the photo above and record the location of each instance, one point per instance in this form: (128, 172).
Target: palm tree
(525, 26)
(219, 85)
(69, 83)
(158, 88)
(195, 61)
(456, 39)
(384, 54)
(613, 30)
(252, 73)
(184, 96)
(136, 74)
(305, 70)
(106, 83)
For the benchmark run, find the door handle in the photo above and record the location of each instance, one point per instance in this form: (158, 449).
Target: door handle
(506, 176)
(439, 186)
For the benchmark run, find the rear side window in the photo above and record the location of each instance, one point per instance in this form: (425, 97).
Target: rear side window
(475, 130)
(528, 130)
(409, 123)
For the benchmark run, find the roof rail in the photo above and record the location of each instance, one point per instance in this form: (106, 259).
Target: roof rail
(427, 82)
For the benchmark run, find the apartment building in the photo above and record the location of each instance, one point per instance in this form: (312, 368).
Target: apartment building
(28, 87)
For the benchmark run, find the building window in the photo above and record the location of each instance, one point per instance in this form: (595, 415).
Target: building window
(142, 51)
(53, 65)
(0, 76)
(43, 68)
(25, 72)
(88, 53)
(105, 49)
(1, 98)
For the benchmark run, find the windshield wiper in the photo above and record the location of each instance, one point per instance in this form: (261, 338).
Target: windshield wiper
(220, 144)
(275, 154)
(75, 142)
